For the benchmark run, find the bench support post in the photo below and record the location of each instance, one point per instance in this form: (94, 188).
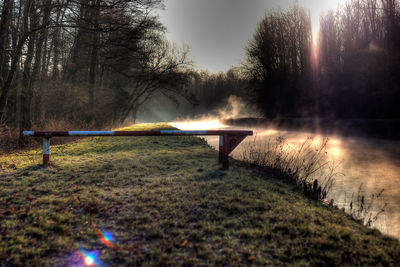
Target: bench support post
(225, 152)
(227, 143)
(46, 151)
(221, 145)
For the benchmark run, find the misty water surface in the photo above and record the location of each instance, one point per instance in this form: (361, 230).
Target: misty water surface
(373, 164)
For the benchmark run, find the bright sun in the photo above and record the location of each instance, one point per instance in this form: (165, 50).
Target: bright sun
(317, 8)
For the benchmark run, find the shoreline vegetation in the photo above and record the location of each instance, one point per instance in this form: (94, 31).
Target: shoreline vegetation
(309, 167)
(165, 201)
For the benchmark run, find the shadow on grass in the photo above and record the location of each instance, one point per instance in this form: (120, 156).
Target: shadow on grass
(213, 175)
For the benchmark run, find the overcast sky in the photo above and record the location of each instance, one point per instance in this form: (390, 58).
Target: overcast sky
(217, 30)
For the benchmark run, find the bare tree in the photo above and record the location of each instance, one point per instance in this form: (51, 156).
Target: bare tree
(278, 60)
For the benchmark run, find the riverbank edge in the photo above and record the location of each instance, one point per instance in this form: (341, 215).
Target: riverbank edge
(168, 202)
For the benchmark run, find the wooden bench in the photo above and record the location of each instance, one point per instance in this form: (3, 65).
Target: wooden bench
(228, 139)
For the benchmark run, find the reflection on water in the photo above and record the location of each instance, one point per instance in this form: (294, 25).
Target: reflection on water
(371, 163)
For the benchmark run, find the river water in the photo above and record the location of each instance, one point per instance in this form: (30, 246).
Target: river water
(365, 165)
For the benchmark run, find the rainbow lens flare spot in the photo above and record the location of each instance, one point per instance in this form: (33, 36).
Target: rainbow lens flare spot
(105, 237)
(90, 257)
(89, 260)
(108, 236)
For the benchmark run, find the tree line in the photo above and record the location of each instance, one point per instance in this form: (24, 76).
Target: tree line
(84, 60)
(350, 70)
(352, 73)
(101, 60)
(212, 90)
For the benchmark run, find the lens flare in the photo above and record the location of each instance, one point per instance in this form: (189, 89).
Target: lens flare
(105, 237)
(85, 257)
(108, 236)
(108, 239)
(90, 258)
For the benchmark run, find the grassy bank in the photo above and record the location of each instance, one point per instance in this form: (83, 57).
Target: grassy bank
(166, 201)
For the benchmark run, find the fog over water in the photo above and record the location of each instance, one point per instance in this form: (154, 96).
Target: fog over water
(370, 163)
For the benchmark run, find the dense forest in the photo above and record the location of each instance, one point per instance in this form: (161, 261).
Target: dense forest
(100, 61)
(351, 71)
(86, 60)
(359, 73)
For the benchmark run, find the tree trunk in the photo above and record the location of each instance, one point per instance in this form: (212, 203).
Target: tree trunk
(27, 90)
(38, 54)
(56, 47)
(16, 55)
(4, 32)
(75, 63)
(94, 51)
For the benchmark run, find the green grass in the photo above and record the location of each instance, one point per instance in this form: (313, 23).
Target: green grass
(167, 202)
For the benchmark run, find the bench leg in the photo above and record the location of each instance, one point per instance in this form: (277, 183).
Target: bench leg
(46, 151)
(227, 143)
(224, 151)
(221, 144)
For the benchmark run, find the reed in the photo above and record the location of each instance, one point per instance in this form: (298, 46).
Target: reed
(307, 165)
